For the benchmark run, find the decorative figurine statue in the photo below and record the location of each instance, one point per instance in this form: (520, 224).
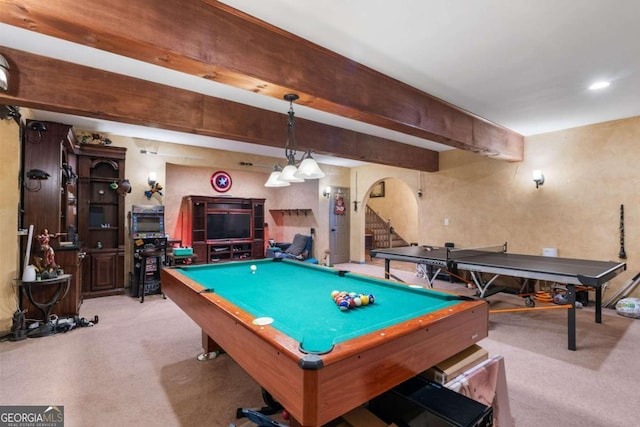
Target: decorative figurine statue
(49, 256)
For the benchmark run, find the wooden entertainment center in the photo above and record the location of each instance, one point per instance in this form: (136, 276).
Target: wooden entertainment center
(221, 229)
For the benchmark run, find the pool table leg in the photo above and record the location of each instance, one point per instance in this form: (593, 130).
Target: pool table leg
(211, 348)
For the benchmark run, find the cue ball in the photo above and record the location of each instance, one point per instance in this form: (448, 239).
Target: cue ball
(253, 268)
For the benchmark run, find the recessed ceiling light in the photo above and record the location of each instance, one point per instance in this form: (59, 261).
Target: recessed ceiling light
(599, 85)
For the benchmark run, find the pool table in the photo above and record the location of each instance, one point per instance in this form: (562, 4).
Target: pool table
(279, 322)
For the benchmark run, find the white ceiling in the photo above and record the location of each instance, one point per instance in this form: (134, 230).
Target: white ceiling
(525, 65)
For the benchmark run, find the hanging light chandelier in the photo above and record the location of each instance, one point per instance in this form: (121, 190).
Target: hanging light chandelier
(295, 170)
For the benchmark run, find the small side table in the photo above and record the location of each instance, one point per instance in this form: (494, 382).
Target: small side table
(61, 284)
(173, 259)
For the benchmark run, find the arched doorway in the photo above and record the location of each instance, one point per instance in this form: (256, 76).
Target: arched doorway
(390, 203)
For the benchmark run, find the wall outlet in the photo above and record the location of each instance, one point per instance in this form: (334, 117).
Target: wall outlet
(446, 221)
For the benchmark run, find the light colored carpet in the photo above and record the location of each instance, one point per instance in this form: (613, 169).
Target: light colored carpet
(137, 367)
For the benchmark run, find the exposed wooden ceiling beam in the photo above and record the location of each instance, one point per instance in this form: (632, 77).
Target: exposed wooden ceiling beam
(211, 40)
(46, 83)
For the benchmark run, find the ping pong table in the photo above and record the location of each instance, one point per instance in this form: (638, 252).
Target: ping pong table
(496, 261)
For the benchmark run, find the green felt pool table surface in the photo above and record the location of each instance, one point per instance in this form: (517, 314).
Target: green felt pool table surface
(297, 296)
(320, 362)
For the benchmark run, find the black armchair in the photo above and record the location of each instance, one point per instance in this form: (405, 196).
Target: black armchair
(300, 248)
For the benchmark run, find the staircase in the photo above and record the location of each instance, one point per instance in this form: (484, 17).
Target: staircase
(379, 229)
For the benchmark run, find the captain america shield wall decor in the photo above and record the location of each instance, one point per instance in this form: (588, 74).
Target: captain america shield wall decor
(221, 181)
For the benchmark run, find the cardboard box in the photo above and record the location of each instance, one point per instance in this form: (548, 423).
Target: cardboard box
(447, 370)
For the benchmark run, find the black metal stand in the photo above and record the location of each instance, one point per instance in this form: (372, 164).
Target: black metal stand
(62, 284)
(142, 281)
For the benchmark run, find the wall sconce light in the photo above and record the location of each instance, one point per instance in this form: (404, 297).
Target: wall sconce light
(538, 177)
(327, 192)
(154, 186)
(4, 73)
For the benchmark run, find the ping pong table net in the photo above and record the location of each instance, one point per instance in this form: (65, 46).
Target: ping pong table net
(457, 254)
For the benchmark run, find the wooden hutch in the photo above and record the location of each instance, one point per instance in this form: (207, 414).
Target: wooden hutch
(221, 229)
(101, 223)
(67, 188)
(49, 201)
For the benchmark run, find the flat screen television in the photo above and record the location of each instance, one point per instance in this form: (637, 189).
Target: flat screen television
(228, 226)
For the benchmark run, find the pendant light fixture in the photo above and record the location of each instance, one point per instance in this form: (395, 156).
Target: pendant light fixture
(273, 180)
(295, 170)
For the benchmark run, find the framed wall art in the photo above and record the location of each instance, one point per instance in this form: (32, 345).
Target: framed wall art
(377, 190)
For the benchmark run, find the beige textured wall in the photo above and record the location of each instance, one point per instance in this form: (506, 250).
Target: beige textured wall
(589, 172)
(9, 199)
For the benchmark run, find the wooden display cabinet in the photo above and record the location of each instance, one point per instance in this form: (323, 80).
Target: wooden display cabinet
(51, 204)
(259, 229)
(101, 218)
(221, 229)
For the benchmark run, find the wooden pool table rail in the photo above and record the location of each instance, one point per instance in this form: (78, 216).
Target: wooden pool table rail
(351, 374)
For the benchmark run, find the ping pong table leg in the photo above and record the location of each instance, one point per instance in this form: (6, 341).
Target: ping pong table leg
(433, 275)
(599, 304)
(571, 316)
(483, 286)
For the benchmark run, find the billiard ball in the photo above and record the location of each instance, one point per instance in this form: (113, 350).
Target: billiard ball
(357, 301)
(371, 299)
(253, 268)
(364, 299)
(334, 294)
(344, 305)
